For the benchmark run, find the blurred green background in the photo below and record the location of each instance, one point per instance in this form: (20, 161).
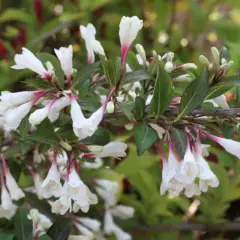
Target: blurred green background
(186, 27)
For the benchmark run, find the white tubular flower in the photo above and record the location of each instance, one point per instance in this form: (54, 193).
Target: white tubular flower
(120, 234)
(52, 186)
(188, 170)
(62, 158)
(229, 145)
(113, 149)
(8, 214)
(128, 31)
(18, 98)
(160, 131)
(13, 117)
(27, 60)
(62, 205)
(206, 176)
(15, 191)
(107, 185)
(90, 223)
(204, 149)
(85, 231)
(221, 101)
(108, 223)
(84, 127)
(75, 186)
(96, 164)
(142, 53)
(123, 212)
(191, 190)
(6, 199)
(38, 116)
(65, 56)
(45, 223)
(57, 106)
(92, 45)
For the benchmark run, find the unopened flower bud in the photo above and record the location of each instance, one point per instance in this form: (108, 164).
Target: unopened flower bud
(95, 148)
(168, 56)
(230, 64)
(204, 60)
(34, 215)
(184, 78)
(216, 55)
(168, 66)
(223, 61)
(141, 52)
(189, 66)
(66, 146)
(129, 126)
(154, 53)
(110, 107)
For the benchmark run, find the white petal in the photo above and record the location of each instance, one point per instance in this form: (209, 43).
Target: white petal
(123, 212)
(221, 101)
(38, 116)
(113, 149)
(16, 193)
(92, 224)
(6, 200)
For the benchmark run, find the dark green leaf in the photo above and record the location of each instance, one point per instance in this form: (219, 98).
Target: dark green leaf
(132, 61)
(111, 69)
(126, 109)
(44, 237)
(100, 137)
(193, 95)
(84, 74)
(60, 230)
(145, 136)
(45, 133)
(233, 79)
(45, 57)
(179, 140)
(138, 75)
(24, 127)
(139, 108)
(218, 90)
(162, 95)
(38, 83)
(6, 236)
(22, 225)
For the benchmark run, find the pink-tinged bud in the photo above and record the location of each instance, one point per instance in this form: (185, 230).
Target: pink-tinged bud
(128, 30)
(38, 7)
(229, 145)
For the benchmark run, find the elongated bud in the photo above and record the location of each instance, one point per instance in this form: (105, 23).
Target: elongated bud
(216, 55)
(204, 60)
(66, 146)
(110, 107)
(168, 66)
(141, 52)
(95, 148)
(188, 66)
(184, 78)
(230, 64)
(129, 126)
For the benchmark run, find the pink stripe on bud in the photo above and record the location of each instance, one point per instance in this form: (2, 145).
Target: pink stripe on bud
(124, 52)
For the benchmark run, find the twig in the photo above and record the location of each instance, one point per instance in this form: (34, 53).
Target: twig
(186, 227)
(47, 35)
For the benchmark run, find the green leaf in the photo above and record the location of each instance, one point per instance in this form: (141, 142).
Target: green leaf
(61, 229)
(45, 133)
(139, 108)
(111, 69)
(38, 83)
(6, 236)
(233, 79)
(127, 110)
(46, 57)
(44, 237)
(13, 14)
(100, 137)
(162, 95)
(132, 61)
(133, 163)
(145, 136)
(136, 76)
(84, 74)
(193, 96)
(218, 90)
(22, 225)
(179, 140)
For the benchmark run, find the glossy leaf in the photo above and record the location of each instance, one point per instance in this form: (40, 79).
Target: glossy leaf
(136, 76)
(218, 90)
(139, 108)
(179, 140)
(162, 95)
(60, 230)
(145, 136)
